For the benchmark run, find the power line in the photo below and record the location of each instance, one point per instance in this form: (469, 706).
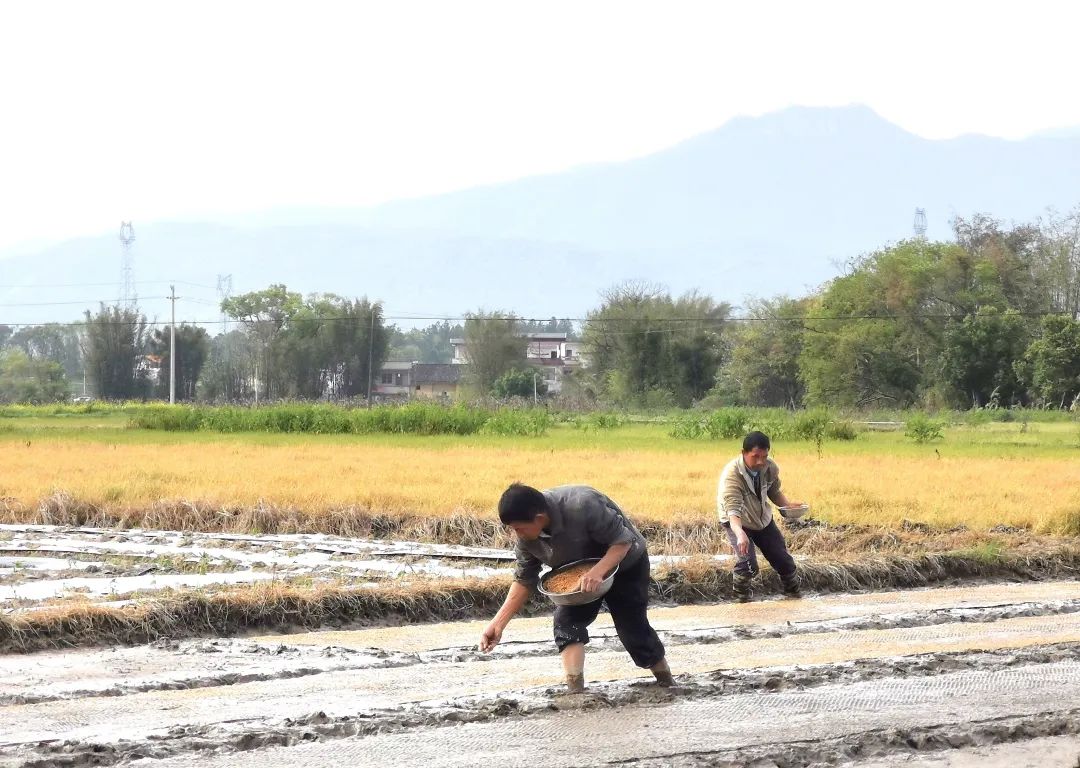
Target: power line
(600, 320)
(113, 283)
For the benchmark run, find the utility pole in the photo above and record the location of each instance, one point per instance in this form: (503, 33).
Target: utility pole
(172, 346)
(370, 350)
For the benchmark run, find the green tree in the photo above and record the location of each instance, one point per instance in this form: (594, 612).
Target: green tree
(229, 372)
(978, 355)
(55, 342)
(115, 343)
(878, 331)
(520, 382)
(25, 380)
(424, 345)
(1051, 365)
(192, 348)
(762, 365)
(326, 348)
(264, 315)
(1058, 260)
(493, 345)
(646, 347)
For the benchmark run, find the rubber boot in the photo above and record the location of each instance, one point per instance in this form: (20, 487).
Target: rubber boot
(791, 587)
(575, 683)
(743, 591)
(662, 672)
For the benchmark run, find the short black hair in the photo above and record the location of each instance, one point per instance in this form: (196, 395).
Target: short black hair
(755, 440)
(521, 504)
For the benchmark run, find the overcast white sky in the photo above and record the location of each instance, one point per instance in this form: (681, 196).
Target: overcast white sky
(150, 110)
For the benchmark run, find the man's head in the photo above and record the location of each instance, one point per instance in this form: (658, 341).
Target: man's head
(524, 509)
(755, 450)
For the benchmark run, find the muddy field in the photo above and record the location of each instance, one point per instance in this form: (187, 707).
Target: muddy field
(984, 674)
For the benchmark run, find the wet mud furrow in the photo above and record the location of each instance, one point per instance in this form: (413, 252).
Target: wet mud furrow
(838, 678)
(607, 639)
(702, 619)
(896, 744)
(174, 665)
(220, 663)
(1035, 752)
(519, 704)
(830, 724)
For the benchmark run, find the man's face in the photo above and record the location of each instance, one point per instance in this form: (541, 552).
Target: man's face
(530, 531)
(755, 458)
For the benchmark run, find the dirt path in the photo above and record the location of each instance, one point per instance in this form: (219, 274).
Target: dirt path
(986, 665)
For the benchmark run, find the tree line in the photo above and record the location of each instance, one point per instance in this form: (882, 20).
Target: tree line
(991, 318)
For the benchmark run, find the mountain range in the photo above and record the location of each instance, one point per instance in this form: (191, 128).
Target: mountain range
(758, 207)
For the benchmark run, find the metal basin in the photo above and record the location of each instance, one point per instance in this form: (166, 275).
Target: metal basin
(579, 597)
(794, 513)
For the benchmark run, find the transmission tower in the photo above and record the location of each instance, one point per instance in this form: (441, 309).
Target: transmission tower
(127, 266)
(920, 223)
(224, 291)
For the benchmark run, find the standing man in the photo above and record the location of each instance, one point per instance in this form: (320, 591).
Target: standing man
(575, 522)
(747, 484)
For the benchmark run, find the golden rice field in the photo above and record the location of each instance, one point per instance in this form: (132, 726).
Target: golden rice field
(1016, 480)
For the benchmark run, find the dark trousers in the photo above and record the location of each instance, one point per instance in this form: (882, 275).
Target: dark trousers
(627, 601)
(771, 543)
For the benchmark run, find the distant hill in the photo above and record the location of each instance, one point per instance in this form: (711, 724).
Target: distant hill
(757, 207)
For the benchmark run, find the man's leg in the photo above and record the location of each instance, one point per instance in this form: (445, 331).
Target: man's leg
(628, 602)
(771, 542)
(571, 634)
(745, 565)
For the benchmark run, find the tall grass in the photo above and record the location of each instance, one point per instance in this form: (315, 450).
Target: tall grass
(779, 424)
(321, 419)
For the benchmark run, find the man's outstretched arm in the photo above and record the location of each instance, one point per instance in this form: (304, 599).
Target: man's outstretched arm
(512, 605)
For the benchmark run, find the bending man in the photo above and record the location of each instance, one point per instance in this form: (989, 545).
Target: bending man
(575, 522)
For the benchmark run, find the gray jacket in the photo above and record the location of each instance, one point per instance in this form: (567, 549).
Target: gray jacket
(584, 523)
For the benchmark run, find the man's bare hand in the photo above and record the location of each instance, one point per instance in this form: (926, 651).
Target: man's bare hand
(490, 637)
(742, 542)
(590, 582)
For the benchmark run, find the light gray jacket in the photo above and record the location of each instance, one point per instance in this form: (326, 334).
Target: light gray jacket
(735, 496)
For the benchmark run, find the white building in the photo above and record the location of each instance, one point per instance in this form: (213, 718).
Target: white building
(551, 352)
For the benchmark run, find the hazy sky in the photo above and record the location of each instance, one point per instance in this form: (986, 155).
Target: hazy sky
(149, 110)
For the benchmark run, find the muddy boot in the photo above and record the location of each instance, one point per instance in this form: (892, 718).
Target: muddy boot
(575, 683)
(792, 588)
(743, 591)
(662, 672)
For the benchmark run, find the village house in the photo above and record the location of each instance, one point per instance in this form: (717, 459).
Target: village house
(550, 352)
(437, 380)
(394, 380)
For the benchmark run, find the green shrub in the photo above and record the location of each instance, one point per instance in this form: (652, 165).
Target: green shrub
(689, 427)
(518, 423)
(841, 430)
(922, 429)
(727, 424)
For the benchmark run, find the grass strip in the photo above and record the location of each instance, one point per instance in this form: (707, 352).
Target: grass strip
(277, 607)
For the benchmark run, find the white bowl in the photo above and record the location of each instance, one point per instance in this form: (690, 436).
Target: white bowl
(795, 512)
